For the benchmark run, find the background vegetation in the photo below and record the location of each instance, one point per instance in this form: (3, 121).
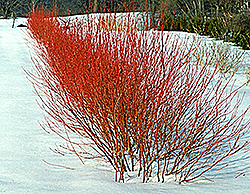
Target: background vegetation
(227, 20)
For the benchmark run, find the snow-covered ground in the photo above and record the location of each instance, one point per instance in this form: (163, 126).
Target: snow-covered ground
(24, 145)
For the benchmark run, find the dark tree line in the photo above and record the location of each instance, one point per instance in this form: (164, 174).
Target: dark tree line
(212, 6)
(20, 8)
(17, 8)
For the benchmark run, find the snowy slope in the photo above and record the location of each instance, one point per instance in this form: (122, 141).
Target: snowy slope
(24, 145)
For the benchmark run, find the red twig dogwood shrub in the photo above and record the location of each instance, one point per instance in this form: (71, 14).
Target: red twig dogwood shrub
(133, 98)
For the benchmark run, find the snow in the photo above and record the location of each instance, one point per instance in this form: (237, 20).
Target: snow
(24, 145)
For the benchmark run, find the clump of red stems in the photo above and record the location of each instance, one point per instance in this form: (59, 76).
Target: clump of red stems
(134, 98)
